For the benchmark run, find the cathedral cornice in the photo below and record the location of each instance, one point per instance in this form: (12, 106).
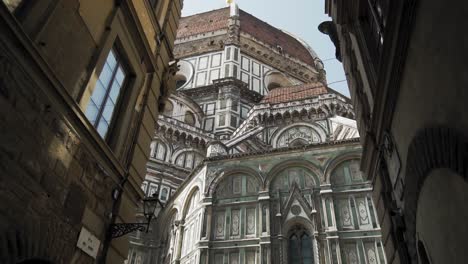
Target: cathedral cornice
(283, 150)
(180, 129)
(316, 108)
(213, 89)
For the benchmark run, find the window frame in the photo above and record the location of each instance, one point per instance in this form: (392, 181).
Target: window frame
(157, 144)
(222, 116)
(118, 36)
(210, 112)
(121, 62)
(244, 109)
(212, 119)
(183, 155)
(299, 233)
(233, 120)
(374, 25)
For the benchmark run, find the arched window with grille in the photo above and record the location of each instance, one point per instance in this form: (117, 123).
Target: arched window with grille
(158, 150)
(300, 249)
(188, 159)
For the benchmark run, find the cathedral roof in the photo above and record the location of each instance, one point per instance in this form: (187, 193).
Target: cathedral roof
(274, 37)
(219, 20)
(293, 93)
(204, 22)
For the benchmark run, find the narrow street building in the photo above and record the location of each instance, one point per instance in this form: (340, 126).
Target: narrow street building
(406, 63)
(80, 86)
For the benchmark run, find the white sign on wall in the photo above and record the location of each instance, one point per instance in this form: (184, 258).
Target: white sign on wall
(88, 243)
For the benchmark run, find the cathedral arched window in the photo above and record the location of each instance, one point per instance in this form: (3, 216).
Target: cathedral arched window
(347, 173)
(158, 150)
(300, 249)
(189, 118)
(188, 159)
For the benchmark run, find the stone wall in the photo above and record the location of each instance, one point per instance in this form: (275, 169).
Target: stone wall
(51, 181)
(56, 173)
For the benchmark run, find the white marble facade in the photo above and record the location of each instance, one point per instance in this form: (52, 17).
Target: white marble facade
(234, 215)
(202, 70)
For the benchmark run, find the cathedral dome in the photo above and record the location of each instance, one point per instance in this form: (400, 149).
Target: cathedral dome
(218, 21)
(276, 38)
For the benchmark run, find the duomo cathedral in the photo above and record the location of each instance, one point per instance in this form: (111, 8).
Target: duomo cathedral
(255, 158)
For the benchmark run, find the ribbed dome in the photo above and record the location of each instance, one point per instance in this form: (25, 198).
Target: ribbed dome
(219, 20)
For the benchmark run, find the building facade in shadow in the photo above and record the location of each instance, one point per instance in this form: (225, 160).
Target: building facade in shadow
(406, 68)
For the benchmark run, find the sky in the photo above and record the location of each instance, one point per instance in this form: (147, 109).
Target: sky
(300, 17)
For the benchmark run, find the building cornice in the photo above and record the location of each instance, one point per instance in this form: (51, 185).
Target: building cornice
(283, 150)
(165, 122)
(322, 106)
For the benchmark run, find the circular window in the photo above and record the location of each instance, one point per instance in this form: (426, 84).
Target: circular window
(181, 80)
(273, 85)
(273, 80)
(184, 76)
(296, 209)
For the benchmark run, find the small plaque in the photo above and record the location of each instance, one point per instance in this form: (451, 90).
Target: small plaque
(88, 243)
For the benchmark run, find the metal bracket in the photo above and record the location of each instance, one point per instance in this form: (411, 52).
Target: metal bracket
(119, 230)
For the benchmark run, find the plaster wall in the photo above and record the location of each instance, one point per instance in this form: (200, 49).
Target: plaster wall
(72, 171)
(433, 89)
(441, 217)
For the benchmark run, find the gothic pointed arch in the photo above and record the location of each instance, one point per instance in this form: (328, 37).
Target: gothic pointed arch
(300, 246)
(296, 205)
